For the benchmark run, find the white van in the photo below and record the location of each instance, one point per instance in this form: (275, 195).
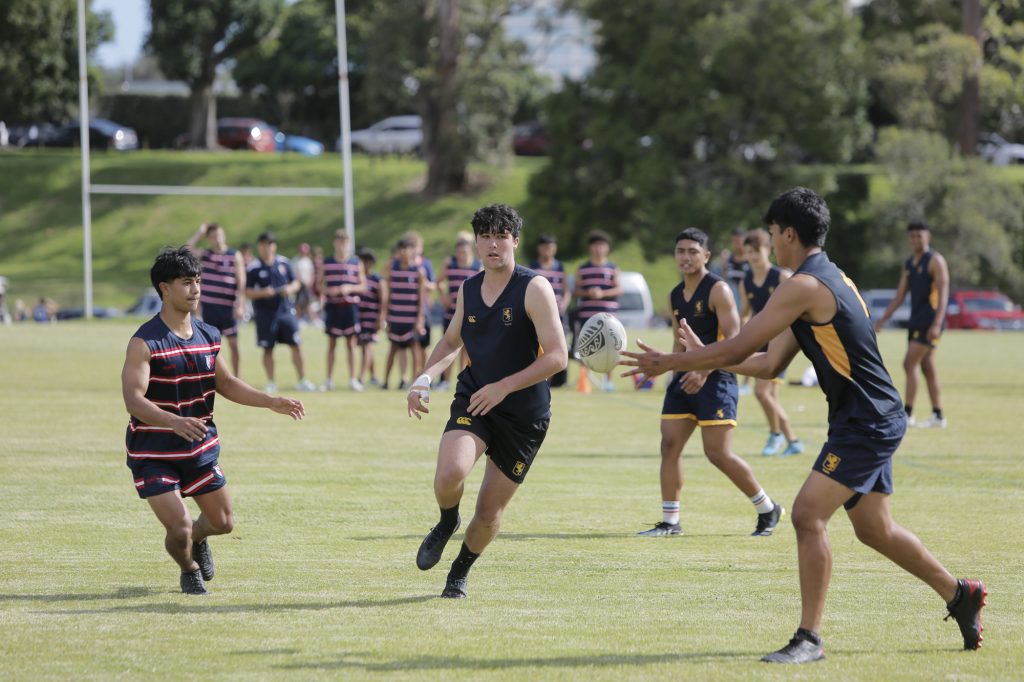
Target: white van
(636, 309)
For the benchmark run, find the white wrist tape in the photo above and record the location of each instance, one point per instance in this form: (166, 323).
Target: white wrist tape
(422, 387)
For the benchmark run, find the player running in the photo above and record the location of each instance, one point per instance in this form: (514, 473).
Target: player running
(819, 311)
(168, 382)
(704, 399)
(508, 320)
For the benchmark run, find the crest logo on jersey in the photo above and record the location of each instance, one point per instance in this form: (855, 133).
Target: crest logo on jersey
(518, 469)
(771, 290)
(472, 319)
(506, 316)
(463, 421)
(831, 463)
(209, 362)
(699, 308)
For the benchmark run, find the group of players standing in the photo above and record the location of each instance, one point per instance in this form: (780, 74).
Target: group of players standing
(508, 320)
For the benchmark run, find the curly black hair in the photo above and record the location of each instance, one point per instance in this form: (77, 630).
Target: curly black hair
(172, 264)
(805, 211)
(497, 218)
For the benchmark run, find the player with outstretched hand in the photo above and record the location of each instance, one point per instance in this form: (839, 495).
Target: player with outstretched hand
(507, 318)
(819, 311)
(169, 382)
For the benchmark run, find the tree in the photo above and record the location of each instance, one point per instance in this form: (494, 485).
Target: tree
(696, 114)
(39, 57)
(192, 38)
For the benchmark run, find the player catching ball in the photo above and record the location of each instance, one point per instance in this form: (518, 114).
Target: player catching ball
(504, 316)
(169, 382)
(820, 312)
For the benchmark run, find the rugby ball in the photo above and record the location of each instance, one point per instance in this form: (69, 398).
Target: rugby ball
(600, 341)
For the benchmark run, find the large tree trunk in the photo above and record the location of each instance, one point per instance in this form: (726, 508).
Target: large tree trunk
(444, 149)
(971, 96)
(202, 128)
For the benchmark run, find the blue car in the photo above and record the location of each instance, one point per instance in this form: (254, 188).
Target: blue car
(297, 143)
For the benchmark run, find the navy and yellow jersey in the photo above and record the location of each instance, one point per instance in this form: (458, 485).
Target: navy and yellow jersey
(338, 273)
(554, 273)
(182, 381)
(697, 311)
(757, 296)
(260, 275)
(589, 276)
(218, 283)
(454, 276)
(501, 340)
(924, 293)
(845, 353)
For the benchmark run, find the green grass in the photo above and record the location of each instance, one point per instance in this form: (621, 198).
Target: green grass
(41, 217)
(318, 579)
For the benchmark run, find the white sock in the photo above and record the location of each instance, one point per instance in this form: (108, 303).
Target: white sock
(762, 502)
(670, 511)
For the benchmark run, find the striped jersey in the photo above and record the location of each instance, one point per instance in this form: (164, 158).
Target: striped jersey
(554, 273)
(182, 380)
(924, 295)
(403, 294)
(455, 275)
(697, 311)
(501, 340)
(589, 276)
(369, 304)
(845, 353)
(218, 284)
(337, 273)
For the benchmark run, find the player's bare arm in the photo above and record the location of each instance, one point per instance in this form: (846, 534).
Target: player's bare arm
(939, 271)
(901, 293)
(781, 351)
(746, 312)
(135, 380)
(239, 286)
(425, 284)
(441, 358)
(543, 311)
(800, 297)
(237, 391)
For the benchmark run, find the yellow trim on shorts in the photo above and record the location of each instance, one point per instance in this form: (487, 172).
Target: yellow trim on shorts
(717, 422)
(691, 417)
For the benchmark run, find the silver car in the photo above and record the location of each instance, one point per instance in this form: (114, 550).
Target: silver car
(393, 135)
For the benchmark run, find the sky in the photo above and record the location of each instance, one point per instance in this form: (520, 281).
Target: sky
(563, 53)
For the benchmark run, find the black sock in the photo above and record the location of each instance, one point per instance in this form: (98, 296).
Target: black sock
(462, 563)
(938, 412)
(809, 636)
(909, 409)
(449, 517)
(956, 596)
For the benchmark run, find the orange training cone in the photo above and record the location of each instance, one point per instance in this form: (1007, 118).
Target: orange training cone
(583, 384)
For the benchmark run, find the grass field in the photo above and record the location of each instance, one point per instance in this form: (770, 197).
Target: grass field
(318, 580)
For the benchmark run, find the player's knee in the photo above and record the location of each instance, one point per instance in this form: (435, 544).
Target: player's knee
(180, 530)
(224, 524)
(805, 522)
(763, 392)
(671, 448)
(909, 364)
(716, 456)
(871, 534)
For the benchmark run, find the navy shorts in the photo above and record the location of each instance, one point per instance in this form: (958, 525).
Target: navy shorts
(277, 328)
(222, 317)
(919, 334)
(859, 455)
(159, 476)
(511, 445)
(713, 405)
(341, 320)
(401, 334)
(424, 339)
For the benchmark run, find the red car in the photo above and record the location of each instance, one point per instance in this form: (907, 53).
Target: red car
(978, 309)
(530, 139)
(246, 133)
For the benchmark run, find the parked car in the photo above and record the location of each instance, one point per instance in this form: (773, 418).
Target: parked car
(103, 134)
(246, 133)
(636, 307)
(878, 300)
(306, 146)
(530, 139)
(393, 135)
(32, 135)
(146, 305)
(977, 309)
(98, 312)
(998, 151)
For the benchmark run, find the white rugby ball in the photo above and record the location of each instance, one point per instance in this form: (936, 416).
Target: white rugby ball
(601, 340)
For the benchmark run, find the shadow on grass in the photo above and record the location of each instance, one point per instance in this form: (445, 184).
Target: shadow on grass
(509, 536)
(197, 605)
(458, 663)
(119, 593)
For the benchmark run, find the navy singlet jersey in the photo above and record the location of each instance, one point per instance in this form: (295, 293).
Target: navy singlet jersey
(844, 352)
(697, 311)
(924, 295)
(757, 296)
(182, 381)
(500, 341)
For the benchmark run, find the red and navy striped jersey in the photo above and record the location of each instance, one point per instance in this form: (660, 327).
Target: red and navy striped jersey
(218, 284)
(339, 273)
(455, 275)
(403, 294)
(602, 277)
(555, 273)
(369, 304)
(182, 380)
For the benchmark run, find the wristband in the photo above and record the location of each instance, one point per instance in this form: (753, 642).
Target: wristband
(422, 380)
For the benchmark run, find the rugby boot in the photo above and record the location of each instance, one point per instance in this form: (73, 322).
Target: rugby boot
(965, 609)
(795, 447)
(433, 545)
(799, 650)
(192, 583)
(661, 529)
(204, 557)
(455, 588)
(774, 444)
(766, 522)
